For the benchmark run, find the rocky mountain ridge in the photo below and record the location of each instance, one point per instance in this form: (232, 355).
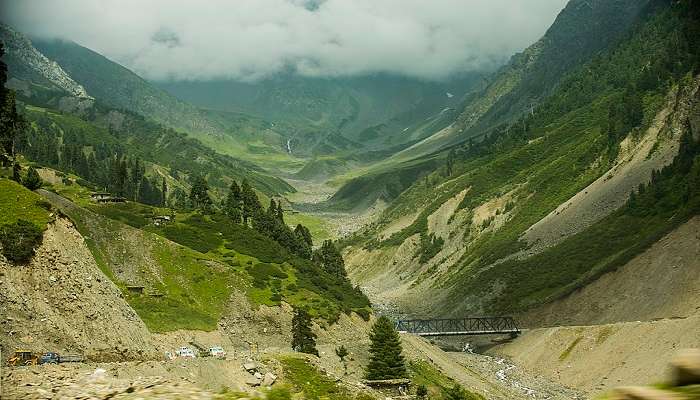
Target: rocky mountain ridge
(20, 47)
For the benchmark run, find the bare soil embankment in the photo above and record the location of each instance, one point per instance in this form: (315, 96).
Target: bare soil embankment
(598, 358)
(61, 301)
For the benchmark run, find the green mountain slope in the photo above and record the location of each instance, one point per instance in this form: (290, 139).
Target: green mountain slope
(69, 119)
(458, 237)
(189, 268)
(582, 30)
(120, 88)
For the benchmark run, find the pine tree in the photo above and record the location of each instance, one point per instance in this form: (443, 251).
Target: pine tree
(303, 338)
(232, 205)
(450, 162)
(251, 204)
(199, 194)
(303, 232)
(386, 360)
(330, 259)
(280, 212)
(11, 123)
(32, 181)
(163, 193)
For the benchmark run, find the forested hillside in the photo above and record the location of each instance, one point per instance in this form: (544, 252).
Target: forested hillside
(580, 32)
(104, 142)
(470, 216)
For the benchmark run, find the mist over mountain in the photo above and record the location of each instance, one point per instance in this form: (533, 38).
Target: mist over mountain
(251, 39)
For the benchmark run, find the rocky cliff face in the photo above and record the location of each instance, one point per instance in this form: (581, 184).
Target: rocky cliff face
(21, 48)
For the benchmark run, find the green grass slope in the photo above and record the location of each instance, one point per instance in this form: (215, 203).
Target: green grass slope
(196, 261)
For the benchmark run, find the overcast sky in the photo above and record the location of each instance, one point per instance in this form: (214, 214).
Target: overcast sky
(250, 39)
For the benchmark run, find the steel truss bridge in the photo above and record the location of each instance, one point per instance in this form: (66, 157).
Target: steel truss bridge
(461, 326)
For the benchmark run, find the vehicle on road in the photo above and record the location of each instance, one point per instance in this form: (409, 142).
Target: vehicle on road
(185, 352)
(23, 357)
(49, 358)
(217, 351)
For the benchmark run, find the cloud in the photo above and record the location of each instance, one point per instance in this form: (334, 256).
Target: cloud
(252, 39)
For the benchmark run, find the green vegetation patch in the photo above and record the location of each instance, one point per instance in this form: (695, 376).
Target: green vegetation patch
(305, 379)
(565, 354)
(262, 273)
(23, 218)
(194, 292)
(17, 202)
(438, 385)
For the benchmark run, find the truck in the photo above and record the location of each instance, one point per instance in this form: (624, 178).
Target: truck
(55, 358)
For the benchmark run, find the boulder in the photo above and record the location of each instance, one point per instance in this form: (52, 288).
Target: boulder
(269, 379)
(250, 366)
(686, 368)
(252, 381)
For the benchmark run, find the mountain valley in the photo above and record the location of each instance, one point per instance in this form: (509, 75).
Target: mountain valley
(285, 219)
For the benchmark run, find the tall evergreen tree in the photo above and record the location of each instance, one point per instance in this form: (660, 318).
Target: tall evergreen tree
(199, 194)
(232, 205)
(330, 259)
(32, 181)
(11, 123)
(451, 156)
(280, 212)
(386, 360)
(303, 232)
(163, 193)
(303, 338)
(251, 204)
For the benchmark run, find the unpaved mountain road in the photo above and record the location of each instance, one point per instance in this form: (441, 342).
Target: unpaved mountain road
(494, 378)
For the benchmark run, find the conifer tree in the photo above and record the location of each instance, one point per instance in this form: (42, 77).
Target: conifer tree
(232, 205)
(32, 181)
(199, 196)
(163, 193)
(386, 360)
(280, 213)
(330, 259)
(251, 204)
(11, 122)
(303, 338)
(303, 233)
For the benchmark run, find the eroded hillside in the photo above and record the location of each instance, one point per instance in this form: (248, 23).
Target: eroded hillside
(545, 206)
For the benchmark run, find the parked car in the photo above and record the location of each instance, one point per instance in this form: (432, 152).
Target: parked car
(50, 358)
(185, 352)
(217, 351)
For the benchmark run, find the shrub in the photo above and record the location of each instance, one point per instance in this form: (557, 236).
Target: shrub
(32, 181)
(263, 272)
(19, 240)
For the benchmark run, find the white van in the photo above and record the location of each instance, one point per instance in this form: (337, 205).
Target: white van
(185, 352)
(217, 351)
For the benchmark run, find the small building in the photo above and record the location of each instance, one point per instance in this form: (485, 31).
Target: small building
(135, 289)
(97, 196)
(103, 197)
(159, 220)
